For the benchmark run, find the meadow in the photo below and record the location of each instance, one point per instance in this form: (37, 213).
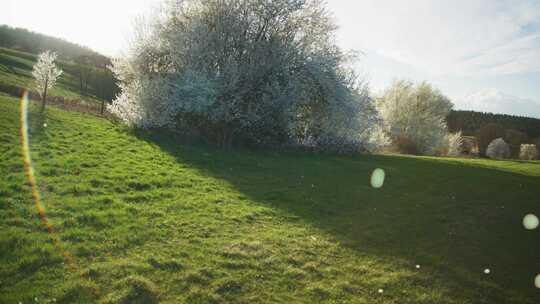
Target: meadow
(16, 72)
(146, 218)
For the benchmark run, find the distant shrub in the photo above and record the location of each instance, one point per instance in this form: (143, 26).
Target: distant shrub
(528, 152)
(455, 144)
(376, 139)
(469, 146)
(404, 145)
(487, 134)
(498, 149)
(515, 139)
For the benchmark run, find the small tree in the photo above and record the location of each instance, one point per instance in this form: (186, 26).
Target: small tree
(455, 144)
(46, 73)
(414, 116)
(84, 71)
(376, 139)
(486, 134)
(528, 152)
(498, 149)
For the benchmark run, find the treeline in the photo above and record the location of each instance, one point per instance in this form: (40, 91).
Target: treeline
(87, 66)
(31, 42)
(93, 77)
(469, 122)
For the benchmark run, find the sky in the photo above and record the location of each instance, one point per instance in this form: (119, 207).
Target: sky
(483, 54)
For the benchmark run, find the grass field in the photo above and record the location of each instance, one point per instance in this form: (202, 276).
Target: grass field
(149, 220)
(16, 70)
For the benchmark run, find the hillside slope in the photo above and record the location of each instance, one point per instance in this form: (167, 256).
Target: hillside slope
(146, 219)
(16, 71)
(34, 43)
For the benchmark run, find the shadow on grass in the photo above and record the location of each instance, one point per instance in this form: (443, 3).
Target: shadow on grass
(451, 217)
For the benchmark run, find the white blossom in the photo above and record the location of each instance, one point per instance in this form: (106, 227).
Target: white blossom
(455, 143)
(415, 112)
(498, 149)
(528, 152)
(264, 71)
(45, 73)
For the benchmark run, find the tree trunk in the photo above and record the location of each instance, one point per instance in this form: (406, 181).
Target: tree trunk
(80, 80)
(227, 138)
(44, 97)
(86, 84)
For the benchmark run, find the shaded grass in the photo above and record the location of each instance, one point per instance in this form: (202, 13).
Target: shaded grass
(150, 220)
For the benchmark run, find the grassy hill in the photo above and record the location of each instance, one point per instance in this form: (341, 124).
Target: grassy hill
(16, 71)
(147, 219)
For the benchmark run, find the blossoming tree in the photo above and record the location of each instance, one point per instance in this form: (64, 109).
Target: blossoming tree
(46, 74)
(416, 113)
(256, 71)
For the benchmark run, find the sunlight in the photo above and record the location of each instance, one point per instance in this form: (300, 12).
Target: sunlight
(30, 175)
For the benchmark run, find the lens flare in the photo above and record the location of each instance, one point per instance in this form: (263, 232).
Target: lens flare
(29, 171)
(377, 178)
(530, 222)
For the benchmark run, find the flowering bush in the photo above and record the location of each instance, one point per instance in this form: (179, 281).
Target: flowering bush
(260, 72)
(415, 115)
(528, 152)
(375, 138)
(455, 144)
(486, 134)
(498, 149)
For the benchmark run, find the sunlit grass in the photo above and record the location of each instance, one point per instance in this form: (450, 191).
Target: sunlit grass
(148, 219)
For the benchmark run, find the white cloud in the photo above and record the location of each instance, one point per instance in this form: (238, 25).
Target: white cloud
(494, 101)
(459, 46)
(473, 37)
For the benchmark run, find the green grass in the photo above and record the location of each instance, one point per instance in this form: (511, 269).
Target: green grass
(16, 70)
(150, 220)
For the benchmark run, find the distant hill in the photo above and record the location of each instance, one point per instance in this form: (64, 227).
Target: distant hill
(34, 43)
(86, 70)
(79, 81)
(470, 121)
